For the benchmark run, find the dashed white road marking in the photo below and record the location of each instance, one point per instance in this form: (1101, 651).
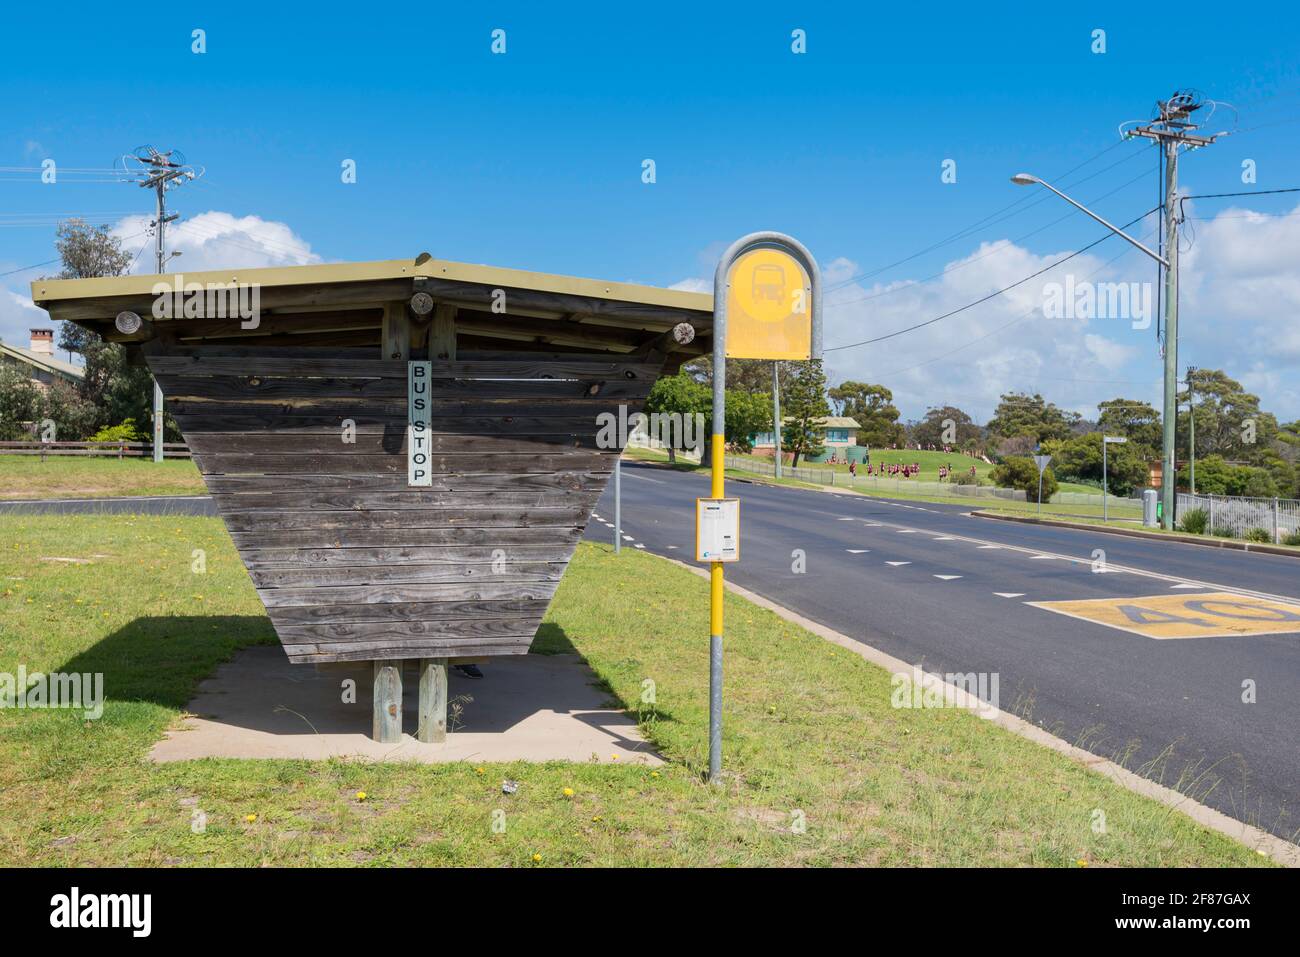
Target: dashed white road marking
(871, 524)
(896, 564)
(844, 520)
(907, 531)
(1184, 585)
(1045, 558)
(990, 546)
(1010, 594)
(627, 538)
(948, 578)
(639, 545)
(857, 551)
(944, 538)
(670, 546)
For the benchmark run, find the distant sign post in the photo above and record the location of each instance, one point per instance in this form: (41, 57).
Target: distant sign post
(1105, 441)
(766, 305)
(1041, 461)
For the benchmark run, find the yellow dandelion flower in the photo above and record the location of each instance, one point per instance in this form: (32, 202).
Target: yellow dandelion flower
(361, 795)
(568, 792)
(537, 858)
(250, 818)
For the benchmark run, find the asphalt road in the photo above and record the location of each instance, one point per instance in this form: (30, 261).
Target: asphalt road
(932, 585)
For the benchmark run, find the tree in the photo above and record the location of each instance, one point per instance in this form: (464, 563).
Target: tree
(1081, 458)
(748, 413)
(872, 406)
(1020, 414)
(934, 428)
(1139, 422)
(112, 387)
(803, 406)
(1228, 418)
(681, 394)
(1022, 473)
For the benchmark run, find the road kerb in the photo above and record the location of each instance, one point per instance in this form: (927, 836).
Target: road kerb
(1186, 539)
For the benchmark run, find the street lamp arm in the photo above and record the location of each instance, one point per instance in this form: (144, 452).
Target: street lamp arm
(1024, 179)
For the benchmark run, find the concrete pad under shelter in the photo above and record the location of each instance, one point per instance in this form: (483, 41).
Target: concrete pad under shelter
(526, 708)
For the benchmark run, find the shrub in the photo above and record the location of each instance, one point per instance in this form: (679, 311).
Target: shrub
(1222, 531)
(1195, 521)
(1261, 535)
(1292, 537)
(965, 478)
(126, 432)
(1021, 473)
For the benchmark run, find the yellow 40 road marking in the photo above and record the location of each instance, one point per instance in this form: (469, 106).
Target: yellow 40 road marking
(1203, 615)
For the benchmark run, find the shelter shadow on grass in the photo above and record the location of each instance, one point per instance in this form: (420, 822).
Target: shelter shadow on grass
(163, 659)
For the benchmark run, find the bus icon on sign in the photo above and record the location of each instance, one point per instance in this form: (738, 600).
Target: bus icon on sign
(768, 283)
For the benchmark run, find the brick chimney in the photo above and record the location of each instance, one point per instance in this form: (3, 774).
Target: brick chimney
(43, 341)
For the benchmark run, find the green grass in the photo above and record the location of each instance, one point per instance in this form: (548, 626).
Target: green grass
(68, 476)
(809, 729)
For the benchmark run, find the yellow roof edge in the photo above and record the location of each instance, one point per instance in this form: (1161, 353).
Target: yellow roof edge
(58, 290)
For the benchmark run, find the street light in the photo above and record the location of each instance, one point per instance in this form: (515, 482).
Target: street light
(1105, 441)
(1167, 475)
(1025, 179)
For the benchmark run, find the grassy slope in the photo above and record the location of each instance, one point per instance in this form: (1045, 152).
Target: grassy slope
(67, 476)
(809, 728)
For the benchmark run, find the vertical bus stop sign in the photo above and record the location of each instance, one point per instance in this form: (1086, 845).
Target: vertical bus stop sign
(766, 305)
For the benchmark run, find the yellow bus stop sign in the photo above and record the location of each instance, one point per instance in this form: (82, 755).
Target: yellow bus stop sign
(769, 307)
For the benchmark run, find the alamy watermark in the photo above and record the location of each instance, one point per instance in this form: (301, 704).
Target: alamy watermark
(55, 690)
(975, 691)
(683, 431)
(1099, 300)
(178, 299)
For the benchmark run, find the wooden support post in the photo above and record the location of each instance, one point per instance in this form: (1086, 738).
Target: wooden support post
(442, 340)
(397, 331)
(433, 700)
(386, 725)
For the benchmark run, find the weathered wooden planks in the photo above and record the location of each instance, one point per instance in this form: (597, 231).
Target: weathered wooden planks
(350, 561)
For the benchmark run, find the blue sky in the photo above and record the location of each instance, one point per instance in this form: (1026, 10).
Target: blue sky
(533, 159)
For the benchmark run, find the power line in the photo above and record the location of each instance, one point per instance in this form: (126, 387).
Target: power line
(983, 299)
(998, 249)
(988, 220)
(1249, 192)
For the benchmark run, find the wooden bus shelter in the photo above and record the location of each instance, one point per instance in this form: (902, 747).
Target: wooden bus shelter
(299, 419)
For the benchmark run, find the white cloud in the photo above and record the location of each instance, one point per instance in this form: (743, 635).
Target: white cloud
(18, 317)
(693, 285)
(217, 240)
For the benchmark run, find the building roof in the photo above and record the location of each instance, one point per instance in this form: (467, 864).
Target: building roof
(40, 360)
(831, 422)
(343, 303)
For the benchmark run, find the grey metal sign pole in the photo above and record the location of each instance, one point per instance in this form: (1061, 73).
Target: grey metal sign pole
(721, 286)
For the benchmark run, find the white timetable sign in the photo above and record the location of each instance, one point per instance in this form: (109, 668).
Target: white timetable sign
(418, 469)
(717, 529)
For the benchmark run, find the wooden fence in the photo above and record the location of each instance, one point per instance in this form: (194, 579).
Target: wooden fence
(118, 450)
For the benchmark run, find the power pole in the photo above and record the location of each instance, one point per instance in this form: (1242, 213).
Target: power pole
(1191, 424)
(160, 172)
(1171, 131)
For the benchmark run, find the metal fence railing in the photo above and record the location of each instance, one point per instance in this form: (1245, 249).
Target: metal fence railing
(1238, 515)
